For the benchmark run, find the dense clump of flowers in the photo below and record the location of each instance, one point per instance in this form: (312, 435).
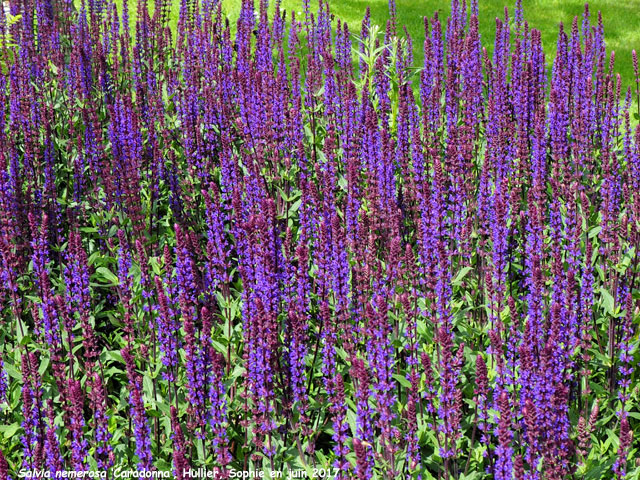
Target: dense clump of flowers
(235, 246)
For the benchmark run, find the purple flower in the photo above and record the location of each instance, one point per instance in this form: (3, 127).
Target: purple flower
(138, 414)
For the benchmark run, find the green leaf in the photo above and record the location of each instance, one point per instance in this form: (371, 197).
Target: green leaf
(9, 431)
(342, 183)
(115, 355)
(594, 231)
(460, 276)
(164, 408)
(147, 386)
(22, 330)
(108, 275)
(53, 67)
(13, 371)
(296, 205)
(607, 301)
(402, 380)
(43, 366)
(351, 420)
(155, 266)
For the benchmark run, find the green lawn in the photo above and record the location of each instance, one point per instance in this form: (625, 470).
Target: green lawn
(621, 20)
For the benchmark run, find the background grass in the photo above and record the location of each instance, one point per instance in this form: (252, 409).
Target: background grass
(621, 20)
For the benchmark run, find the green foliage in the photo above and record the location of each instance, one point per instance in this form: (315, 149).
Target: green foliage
(7, 43)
